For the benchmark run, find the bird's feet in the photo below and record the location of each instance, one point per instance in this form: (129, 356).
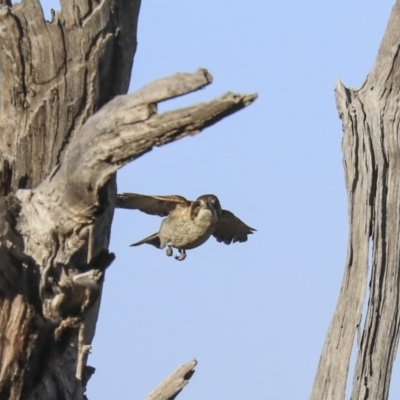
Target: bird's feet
(169, 251)
(182, 255)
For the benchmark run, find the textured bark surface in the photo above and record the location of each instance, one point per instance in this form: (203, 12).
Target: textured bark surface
(371, 149)
(53, 76)
(65, 131)
(172, 386)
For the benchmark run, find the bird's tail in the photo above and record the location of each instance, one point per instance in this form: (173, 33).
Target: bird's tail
(153, 239)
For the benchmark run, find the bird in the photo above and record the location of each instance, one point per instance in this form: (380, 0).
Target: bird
(187, 224)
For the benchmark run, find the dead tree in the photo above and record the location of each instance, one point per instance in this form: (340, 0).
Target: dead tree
(371, 147)
(66, 128)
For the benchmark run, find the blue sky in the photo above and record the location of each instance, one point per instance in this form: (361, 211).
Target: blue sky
(255, 315)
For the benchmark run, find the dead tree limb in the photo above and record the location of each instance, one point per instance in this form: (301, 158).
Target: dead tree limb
(370, 117)
(173, 385)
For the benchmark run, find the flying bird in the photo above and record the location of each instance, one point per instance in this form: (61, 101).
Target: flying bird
(188, 224)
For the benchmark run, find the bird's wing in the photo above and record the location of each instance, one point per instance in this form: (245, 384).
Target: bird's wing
(231, 229)
(153, 205)
(153, 239)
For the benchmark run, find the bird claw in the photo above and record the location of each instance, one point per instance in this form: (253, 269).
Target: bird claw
(182, 255)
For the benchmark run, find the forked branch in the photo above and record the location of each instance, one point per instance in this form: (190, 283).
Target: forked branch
(126, 128)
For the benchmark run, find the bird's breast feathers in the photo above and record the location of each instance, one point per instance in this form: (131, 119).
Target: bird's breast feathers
(183, 232)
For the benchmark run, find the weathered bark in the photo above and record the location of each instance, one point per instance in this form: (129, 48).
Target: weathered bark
(371, 140)
(172, 386)
(64, 134)
(53, 76)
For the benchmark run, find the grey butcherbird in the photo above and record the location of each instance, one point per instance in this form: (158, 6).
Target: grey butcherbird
(188, 224)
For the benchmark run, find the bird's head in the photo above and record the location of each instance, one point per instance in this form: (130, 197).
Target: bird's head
(210, 202)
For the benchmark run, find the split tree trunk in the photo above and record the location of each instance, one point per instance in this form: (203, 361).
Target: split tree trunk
(54, 75)
(371, 146)
(64, 134)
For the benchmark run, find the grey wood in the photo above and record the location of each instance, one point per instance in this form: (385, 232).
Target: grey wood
(172, 386)
(371, 150)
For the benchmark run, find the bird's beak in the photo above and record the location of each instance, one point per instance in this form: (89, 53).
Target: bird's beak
(209, 205)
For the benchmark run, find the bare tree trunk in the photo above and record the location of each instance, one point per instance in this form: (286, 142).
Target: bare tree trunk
(64, 134)
(54, 75)
(370, 117)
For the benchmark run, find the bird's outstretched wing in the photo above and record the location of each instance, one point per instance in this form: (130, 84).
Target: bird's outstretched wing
(153, 239)
(153, 205)
(231, 229)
